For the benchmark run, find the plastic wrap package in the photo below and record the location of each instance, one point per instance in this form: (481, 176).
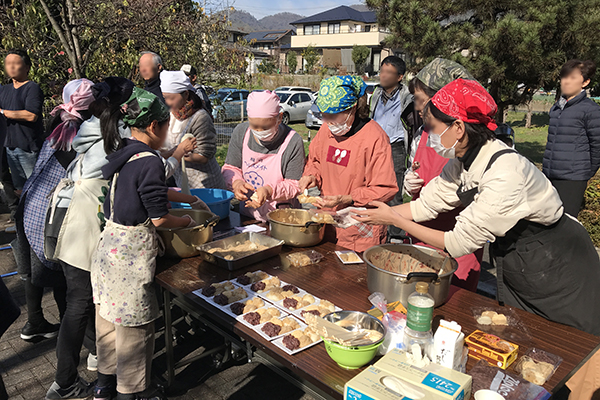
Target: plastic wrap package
(511, 387)
(394, 323)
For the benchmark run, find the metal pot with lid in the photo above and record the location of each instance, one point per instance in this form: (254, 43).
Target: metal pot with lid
(398, 286)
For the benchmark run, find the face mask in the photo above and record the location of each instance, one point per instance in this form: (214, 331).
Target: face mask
(340, 129)
(265, 136)
(436, 144)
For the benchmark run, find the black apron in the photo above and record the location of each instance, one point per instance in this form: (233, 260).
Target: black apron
(552, 271)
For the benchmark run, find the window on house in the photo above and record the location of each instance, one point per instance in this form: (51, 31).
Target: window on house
(333, 28)
(367, 28)
(312, 29)
(358, 28)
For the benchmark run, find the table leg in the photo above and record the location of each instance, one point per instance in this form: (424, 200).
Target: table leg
(168, 337)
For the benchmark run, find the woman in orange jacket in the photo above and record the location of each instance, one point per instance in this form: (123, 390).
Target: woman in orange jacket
(350, 159)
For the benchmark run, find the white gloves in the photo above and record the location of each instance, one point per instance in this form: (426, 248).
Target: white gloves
(412, 183)
(199, 205)
(192, 222)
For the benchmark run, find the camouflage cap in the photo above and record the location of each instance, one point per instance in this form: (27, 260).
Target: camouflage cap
(441, 72)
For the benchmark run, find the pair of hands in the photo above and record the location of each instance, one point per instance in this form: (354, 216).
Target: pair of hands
(309, 181)
(242, 190)
(185, 148)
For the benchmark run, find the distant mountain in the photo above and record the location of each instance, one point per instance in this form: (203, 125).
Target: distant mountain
(245, 21)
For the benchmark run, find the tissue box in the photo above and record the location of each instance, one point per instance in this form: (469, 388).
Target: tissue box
(440, 382)
(370, 384)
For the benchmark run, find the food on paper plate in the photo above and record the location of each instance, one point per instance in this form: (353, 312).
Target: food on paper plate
(247, 306)
(276, 327)
(262, 315)
(265, 284)
(230, 296)
(240, 250)
(216, 289)
(323, 308)
(295, 302)
(350, 256)
(492, 318)
(280, 293)
(300, 338)
(251, 277)
(399, 263)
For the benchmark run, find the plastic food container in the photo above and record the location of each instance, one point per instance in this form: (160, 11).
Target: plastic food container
(304, 258)
(537, 366)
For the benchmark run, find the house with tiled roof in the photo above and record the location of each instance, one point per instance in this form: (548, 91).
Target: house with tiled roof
(274, 43)
(333, 33)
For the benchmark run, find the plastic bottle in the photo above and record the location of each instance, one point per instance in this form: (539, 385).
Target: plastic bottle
(418, 319)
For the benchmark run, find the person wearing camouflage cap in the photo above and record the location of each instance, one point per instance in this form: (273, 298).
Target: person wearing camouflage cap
(124, 263)
(425, 163)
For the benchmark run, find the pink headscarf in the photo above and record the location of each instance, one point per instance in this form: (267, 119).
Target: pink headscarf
(263, 105)
(80, 99)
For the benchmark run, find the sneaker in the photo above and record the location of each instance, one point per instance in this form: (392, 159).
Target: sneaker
(11, 229)
(45, 330)
(92, 362)
(105, 393)
(79, 390)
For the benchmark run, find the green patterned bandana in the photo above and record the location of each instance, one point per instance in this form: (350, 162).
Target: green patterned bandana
(142, 108)
(340, 93)
(441, 72)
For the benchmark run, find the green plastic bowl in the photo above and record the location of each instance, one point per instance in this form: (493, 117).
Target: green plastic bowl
(356, 356)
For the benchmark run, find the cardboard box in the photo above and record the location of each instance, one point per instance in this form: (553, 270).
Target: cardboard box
(498, 352)
(370, 384)
(441, 382)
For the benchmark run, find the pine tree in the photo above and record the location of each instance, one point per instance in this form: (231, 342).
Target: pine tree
(513, 47)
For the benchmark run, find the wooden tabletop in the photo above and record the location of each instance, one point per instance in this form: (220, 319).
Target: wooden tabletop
(346, 287)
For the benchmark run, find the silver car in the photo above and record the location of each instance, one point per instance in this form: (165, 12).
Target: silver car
(294, 105)
(313, 117)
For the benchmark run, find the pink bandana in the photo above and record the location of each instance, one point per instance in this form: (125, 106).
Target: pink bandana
(263, 105)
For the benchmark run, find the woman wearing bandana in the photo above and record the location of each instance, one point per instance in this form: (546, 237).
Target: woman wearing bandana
(350, 159)
(546, 262)
(265, 158)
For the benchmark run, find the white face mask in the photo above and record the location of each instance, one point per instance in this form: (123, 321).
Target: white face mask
(340, 129)
(266, 136)
(436, 144)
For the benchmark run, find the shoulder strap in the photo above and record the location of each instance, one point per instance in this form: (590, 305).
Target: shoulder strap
(496, 155)
(113, 185)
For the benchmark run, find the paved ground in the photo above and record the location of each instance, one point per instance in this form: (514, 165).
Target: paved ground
(28, 369)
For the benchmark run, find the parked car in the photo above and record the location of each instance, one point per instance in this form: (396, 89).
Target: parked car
(293, 89)
(230, 104)
(313, 117)
(370, 89)
(294, 105)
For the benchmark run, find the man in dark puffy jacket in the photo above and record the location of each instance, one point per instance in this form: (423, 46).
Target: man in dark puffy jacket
(572, 154)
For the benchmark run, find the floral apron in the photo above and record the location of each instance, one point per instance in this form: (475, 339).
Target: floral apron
(123, 269)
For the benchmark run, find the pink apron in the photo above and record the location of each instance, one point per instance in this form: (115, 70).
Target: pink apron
(260, 170)
(469, 266)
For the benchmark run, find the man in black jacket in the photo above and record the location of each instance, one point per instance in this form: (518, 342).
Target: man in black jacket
(572, 155)
(150, 65)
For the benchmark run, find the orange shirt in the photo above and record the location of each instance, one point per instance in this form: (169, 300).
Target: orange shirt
(361, 166)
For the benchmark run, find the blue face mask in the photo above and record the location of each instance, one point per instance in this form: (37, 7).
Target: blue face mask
(436, 144)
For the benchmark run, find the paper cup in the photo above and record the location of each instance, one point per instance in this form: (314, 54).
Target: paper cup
(487, 394)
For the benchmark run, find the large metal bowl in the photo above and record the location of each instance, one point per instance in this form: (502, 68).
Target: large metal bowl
(289, 225)
(183, 242)
(397, 287)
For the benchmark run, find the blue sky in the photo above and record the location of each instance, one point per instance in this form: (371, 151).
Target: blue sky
(261, 8)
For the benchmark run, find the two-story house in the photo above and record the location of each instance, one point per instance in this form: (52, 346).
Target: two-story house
(274, 43)
(334, 33)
